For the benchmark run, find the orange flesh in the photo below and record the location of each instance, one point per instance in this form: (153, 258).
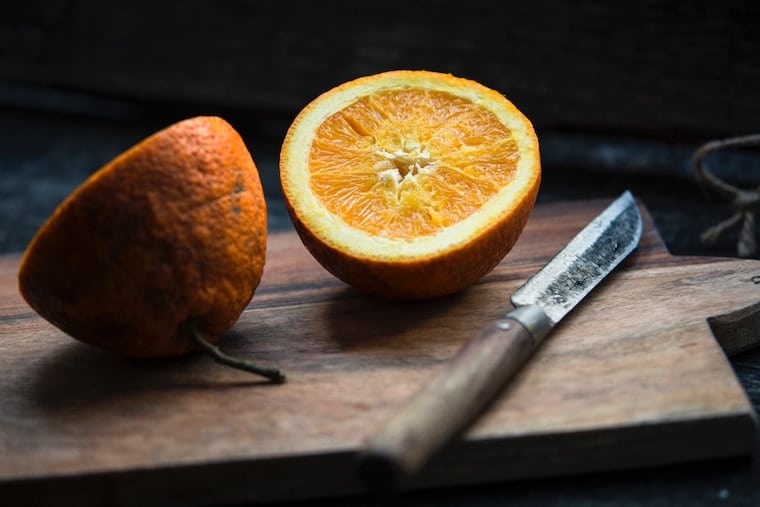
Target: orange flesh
(407, 163)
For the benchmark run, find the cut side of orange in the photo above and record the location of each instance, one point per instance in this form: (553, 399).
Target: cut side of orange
(410, 184)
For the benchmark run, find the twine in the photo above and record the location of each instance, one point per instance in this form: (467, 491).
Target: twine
(745, 203)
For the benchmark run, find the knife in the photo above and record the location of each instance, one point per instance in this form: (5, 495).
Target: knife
(471, 380)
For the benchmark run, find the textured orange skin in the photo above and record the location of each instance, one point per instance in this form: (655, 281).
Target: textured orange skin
(173, 229)
(422, 278)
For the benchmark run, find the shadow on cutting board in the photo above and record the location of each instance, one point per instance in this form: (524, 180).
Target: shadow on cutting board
(77, 375)
(359, 322)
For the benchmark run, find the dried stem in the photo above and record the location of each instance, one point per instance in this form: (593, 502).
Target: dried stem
(191, 328)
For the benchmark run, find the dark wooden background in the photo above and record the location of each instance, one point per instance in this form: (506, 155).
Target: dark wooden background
(656, 68)
(621, 93)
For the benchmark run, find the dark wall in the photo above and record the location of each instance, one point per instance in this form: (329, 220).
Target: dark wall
(670, 68)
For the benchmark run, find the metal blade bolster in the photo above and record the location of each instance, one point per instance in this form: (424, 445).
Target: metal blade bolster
(583, 263)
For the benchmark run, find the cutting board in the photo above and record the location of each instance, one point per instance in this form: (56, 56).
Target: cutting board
(634, 377)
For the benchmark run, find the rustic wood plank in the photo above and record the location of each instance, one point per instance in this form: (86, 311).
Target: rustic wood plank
(633, 378)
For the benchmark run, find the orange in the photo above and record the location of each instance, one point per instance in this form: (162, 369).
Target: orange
(165, 242)
(410, 184)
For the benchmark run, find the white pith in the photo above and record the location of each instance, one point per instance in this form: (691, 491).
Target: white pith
(404, 164)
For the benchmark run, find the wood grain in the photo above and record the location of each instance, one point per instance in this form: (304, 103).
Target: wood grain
(445, 406)
(632, 378)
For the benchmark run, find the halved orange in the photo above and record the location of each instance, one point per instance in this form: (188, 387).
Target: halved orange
(159, 251)
(410, 184)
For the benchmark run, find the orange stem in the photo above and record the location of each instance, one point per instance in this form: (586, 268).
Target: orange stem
(273, 374)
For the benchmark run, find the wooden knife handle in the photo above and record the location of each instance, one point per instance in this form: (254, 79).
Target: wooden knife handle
(445, 406)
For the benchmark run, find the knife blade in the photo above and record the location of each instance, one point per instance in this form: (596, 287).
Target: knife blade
(464, 387)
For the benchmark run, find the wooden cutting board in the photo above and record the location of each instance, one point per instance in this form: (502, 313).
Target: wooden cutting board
(633, 377)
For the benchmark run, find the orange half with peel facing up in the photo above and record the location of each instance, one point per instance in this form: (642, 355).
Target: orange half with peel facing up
(158, 252)
(410, 184)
